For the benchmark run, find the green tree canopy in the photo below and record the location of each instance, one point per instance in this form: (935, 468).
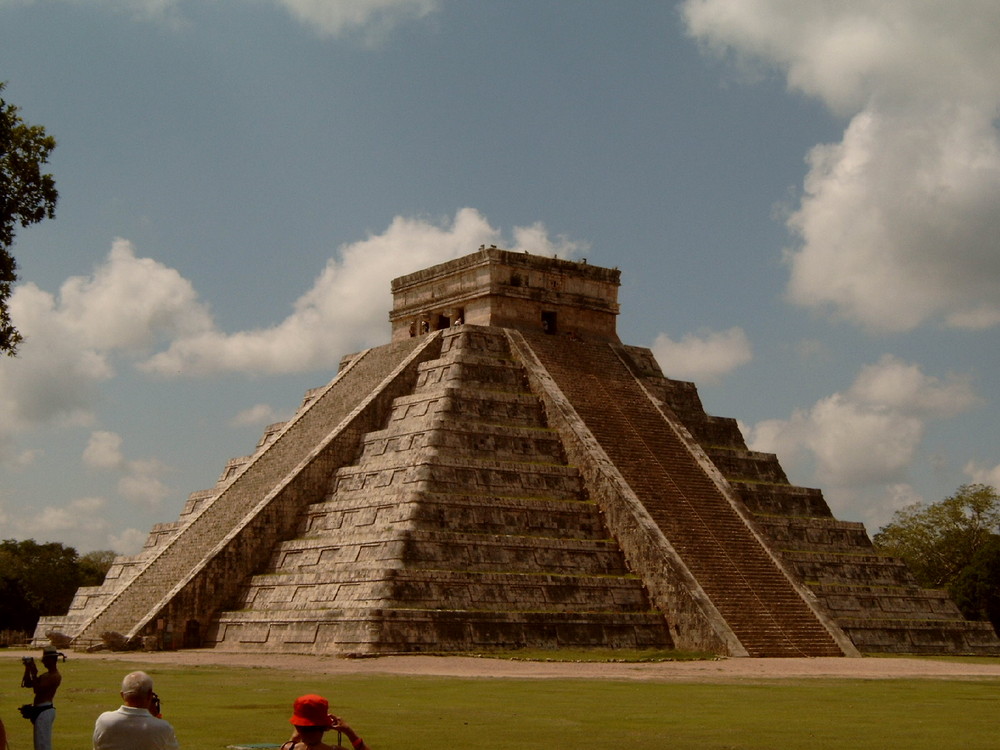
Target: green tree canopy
(977, 588)
(26, 197)
(41, 579)
(938, 541)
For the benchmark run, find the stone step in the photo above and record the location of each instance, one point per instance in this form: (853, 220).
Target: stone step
(742, 464)
(815, 534)
(472, 404)
(781, 499)
(826, 568)
(460, 511)
(380, 630)
(912, 636)
(880, 602)
(482, 372)
(496, 442)
(446, 474)
(434, 589)
(450, 550)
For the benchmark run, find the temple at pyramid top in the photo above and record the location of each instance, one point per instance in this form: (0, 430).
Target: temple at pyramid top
(495, 287)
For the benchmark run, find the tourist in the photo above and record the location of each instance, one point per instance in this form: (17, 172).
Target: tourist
(45, 684)
(311, 717)
(137, 724)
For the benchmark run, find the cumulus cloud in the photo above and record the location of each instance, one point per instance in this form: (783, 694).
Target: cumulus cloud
(980, 474)
(345, 310)
(897, 223)
(128, 542)
(704, 357)
(140, 480)
(81, 518)
(82, 523)
(125, 308)
(103, 451)
(869, 435)
(259, 414)
(142, 484)
(371, 17)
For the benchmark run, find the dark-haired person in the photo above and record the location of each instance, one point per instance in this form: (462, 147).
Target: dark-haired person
(311, 718)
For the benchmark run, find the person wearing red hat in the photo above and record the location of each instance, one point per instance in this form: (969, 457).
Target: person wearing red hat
(311, 717)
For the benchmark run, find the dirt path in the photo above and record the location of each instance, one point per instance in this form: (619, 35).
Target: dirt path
(722, 670)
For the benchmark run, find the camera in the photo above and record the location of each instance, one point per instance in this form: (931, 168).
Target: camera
(27, 660)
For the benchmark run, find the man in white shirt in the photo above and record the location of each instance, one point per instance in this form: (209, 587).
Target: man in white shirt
(133, 727)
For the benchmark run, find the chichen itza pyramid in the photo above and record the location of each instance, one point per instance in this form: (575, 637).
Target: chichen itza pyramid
(506, 473)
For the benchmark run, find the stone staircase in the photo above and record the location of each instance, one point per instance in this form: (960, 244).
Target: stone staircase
(873, 598)
(459, 527)
(756, 598)
(204, 558)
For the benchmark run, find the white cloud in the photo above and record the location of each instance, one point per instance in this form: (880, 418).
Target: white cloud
(983, 474)
(346, 308)
(903, 387)
(82, 515)
(142, 485)
(259, 414)
(897, 223)
(704, 357)
(82, 523)
(103, 451)
(128, 302)
(140, 480)
(123, 309)
(371, 17)
(870, 435)
(128, 542)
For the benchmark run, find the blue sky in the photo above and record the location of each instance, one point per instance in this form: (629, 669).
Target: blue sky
(802, 197)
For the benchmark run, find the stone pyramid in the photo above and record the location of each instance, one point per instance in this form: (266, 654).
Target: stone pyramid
(505, 473)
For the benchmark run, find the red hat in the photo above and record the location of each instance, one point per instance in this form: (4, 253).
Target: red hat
(311, 711)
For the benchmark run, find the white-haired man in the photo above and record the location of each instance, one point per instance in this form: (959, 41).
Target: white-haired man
(133, 726)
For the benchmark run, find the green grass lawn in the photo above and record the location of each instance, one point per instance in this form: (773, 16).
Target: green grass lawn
(212, 707)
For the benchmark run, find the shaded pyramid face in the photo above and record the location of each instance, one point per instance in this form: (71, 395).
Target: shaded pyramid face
(459, 527)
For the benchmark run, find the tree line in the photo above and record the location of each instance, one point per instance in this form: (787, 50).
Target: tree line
(40, 579)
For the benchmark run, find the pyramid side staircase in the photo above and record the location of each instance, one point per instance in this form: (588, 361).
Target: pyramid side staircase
(194, 566)
(872, 597)
(673, 494)
(460, 526)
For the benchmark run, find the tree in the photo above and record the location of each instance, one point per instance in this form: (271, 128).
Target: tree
(977, 588)
(35, 580)
(940, 540)
(26, 197)
(95, 565)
